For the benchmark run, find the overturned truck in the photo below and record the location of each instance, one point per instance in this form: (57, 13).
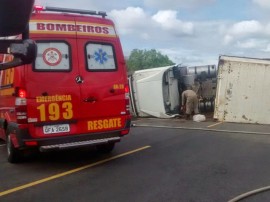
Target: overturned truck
(156, 92)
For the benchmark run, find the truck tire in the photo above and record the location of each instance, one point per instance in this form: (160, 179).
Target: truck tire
(105, 148)
(13, 154)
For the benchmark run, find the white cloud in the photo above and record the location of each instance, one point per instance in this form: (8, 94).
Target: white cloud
(176, 4)
(168, 21)
(247, 38)
(100, 5)
(250, 43)
(145, 36)
(227, 39)
(78, 4)
(262, 3)
(243, 30)
(246, 28)
(189, 57)
(179, 55)
(267, 49)
(163, 25)
(130, 20)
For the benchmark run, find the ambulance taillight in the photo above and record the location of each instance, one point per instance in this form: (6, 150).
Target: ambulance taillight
(22, 93)
(20, 106)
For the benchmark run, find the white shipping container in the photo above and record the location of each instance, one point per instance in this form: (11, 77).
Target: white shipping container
(242, 93)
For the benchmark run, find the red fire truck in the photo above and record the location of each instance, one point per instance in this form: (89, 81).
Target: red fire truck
(76, 92)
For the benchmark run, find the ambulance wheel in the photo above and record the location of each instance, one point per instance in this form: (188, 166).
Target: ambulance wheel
(105, 148)
(13, 154)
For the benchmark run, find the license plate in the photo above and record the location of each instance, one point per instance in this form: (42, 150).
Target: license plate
(61, 128)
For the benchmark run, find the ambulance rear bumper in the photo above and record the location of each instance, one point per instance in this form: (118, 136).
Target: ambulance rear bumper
(78, 144)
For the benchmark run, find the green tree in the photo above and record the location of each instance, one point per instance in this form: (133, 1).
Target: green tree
(146, 59)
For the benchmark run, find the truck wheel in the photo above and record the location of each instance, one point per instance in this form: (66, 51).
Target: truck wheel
(105, 148)
(13, 154)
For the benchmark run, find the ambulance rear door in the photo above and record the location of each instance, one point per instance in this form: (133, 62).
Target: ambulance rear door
(102, 74)
(52, 86)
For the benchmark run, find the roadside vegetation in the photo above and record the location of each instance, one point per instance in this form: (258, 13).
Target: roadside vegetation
(146, 59)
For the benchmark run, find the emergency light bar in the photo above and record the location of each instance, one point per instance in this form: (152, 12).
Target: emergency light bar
(68, 10)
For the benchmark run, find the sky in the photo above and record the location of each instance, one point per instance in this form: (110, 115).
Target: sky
(189, 32)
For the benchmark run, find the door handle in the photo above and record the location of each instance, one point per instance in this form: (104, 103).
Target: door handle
(90, 99)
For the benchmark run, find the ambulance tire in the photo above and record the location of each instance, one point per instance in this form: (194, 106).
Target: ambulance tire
(13, 154)
(105, 148)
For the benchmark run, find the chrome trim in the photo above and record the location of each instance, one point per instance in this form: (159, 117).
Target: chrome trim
(78, 144)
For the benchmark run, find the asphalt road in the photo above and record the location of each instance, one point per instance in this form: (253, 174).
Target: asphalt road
(149, 165)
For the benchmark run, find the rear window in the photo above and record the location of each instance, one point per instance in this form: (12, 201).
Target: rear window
(100, 57)
(52, 56)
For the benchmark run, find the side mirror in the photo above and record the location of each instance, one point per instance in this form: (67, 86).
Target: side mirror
(24, 52)
(14, 16)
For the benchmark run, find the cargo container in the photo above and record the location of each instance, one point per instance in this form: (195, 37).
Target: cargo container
(242, 94)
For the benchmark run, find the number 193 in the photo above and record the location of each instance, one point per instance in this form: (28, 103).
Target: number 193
(54, 111)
